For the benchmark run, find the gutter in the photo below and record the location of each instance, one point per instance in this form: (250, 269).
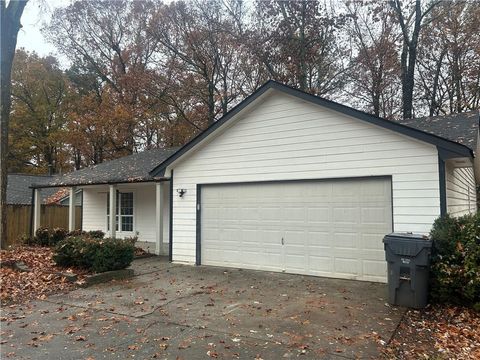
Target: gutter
(43, 186)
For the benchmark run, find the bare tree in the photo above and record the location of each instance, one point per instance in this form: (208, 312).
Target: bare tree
(411, 19)
(374, 72)
(10, 25)
(297, 42)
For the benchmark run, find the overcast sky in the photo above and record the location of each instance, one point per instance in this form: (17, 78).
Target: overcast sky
(36, 13)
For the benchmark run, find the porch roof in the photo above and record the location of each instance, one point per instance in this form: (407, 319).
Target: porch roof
(128, 169)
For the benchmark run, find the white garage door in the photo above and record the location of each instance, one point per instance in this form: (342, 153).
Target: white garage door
(324, 228)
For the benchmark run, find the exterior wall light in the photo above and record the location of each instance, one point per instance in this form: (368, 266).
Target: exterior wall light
(181, 192)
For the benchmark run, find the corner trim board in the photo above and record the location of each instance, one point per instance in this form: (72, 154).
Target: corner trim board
(170, 220)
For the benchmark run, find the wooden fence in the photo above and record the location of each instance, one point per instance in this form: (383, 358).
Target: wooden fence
(19, 220)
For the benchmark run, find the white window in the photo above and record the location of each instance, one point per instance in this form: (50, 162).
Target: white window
(123, 211)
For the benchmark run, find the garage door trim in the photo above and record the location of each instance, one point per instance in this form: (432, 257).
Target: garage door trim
(198, 252)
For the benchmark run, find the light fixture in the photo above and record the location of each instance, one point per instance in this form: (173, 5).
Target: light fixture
(181, 192)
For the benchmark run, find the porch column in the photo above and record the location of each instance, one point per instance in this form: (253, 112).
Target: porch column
(159, 218)
(112, 210)
(71, 209)
(37, 208)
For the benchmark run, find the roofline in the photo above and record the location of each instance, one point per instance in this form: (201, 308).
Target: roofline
(28, 174)
(45, 186)
(436, 140)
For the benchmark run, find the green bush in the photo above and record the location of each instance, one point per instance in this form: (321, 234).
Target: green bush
(455, 270)
(56, 235)
(112, 254)
(68, 252)
(42, 236)
(96, 234)
(49, 237)
(98, 255)
(77, 232)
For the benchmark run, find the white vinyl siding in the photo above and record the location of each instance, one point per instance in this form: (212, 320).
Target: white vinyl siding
(95, 210)
(461, 192)
(285, 138)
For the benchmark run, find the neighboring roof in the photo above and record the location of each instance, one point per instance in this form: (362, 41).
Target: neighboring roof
(127, 169)
(62, 197)
(453, 146)
(19, 191)
(461, 128)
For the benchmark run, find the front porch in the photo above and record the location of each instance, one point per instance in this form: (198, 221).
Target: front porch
(141, 210)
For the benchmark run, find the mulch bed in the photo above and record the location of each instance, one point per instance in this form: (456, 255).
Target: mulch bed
(43, 279)
(438, 332)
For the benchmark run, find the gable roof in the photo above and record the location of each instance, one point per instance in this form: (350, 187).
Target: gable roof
(127, 169)
(448, 144)
(461, 128)
(19, 191)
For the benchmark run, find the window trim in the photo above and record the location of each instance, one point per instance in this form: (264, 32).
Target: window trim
(134, 216)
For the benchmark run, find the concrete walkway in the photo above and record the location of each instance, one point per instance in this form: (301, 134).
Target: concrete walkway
(171, 311)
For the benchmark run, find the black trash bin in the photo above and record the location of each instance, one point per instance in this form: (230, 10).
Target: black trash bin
(408, 258)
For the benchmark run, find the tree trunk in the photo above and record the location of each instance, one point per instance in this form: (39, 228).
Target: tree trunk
(433, 103)
(10, 25)
(211, 103)
(303, 51)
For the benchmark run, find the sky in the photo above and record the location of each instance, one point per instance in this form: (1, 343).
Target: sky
(36, 13)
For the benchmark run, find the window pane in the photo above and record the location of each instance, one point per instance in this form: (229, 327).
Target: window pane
(127, 204)
(127, 223)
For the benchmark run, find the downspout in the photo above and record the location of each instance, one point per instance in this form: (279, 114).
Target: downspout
(443, 185)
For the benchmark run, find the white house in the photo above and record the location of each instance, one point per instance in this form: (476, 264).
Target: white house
(288, 181)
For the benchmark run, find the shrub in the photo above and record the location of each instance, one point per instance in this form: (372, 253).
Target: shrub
(49, 237)
(77, 232)
(42, 236)
(98, 255)
(68, 252)
(455, 270)
(96, 234)
(112, 254)
(56, 235)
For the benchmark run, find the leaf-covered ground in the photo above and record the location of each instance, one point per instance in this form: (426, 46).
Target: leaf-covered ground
(43, 279)
(438, 332)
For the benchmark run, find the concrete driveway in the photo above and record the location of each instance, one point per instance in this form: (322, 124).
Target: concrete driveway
(171, 311)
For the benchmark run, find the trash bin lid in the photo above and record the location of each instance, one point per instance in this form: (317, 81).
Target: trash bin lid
(407, 235)
(407, 244)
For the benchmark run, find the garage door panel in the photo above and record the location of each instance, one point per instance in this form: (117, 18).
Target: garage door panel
(317, 239)
(330, 228)
(347, 266)
(318, 215)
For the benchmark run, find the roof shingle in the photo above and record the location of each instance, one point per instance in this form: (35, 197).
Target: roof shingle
(131, 168)
(461, 128)
(19, 191)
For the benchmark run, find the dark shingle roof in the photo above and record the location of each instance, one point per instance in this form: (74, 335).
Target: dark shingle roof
(19, 191)
(461, 128)
(131, 168)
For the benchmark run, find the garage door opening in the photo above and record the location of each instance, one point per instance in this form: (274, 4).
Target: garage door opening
(331, 228)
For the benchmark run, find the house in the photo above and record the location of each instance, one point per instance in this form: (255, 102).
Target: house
(287, 181)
